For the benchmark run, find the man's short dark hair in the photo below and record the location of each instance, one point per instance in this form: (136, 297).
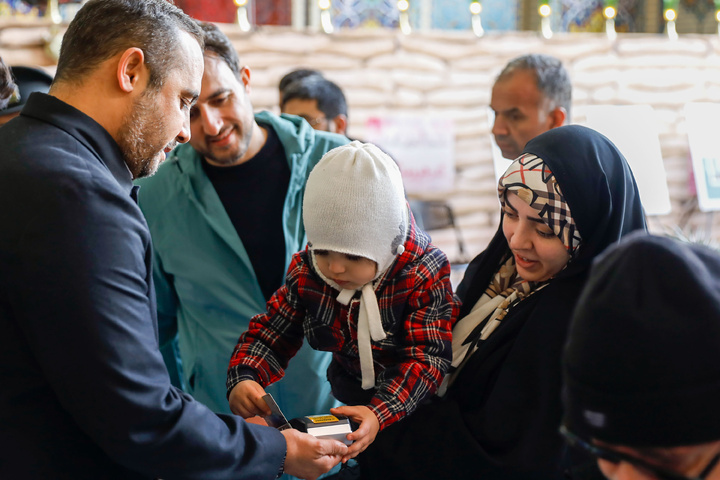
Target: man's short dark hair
(295, 75)
(219, 44)
(104, 28)
(553, 80)
(330, 98)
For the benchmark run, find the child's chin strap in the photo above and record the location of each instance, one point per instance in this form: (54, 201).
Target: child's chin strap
(369, 327)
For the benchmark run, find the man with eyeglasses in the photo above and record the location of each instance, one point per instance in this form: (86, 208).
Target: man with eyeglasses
(642, 362)
(319, 101)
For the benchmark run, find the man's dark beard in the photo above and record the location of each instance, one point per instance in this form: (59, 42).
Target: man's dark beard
(138, 135)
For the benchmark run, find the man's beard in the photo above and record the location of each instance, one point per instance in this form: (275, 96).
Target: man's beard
(231, 157)
(141, 137)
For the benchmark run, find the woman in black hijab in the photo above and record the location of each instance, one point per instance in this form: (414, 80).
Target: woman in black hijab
(568, 197)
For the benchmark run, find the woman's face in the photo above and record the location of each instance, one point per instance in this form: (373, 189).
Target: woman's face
(539, 253)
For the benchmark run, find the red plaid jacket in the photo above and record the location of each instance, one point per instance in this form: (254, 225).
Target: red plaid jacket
(418, 310)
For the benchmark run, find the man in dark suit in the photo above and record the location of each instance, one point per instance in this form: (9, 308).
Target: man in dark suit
(85, 393)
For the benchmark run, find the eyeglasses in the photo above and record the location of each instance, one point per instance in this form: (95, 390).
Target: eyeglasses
(313, 121)
(616, 457)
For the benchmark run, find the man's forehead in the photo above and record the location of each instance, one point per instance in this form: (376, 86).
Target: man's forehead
(217, 78)
(187, 73)
(519, 95)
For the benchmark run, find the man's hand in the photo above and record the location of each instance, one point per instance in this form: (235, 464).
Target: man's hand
(246, 400)
(309, 457)
(365, 433)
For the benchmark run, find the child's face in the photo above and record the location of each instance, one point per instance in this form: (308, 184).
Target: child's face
(348, 271)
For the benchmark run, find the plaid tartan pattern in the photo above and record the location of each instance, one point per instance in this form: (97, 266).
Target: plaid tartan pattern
(418, 310)
(531, 179)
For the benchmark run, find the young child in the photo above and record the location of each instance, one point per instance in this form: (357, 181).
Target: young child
(369, 287)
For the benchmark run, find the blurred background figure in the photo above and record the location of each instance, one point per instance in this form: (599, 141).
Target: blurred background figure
(293, 76)
(531, 95)
(28, 80)
(319, 101)
(8, 89)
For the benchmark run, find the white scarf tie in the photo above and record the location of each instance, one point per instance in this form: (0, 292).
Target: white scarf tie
(369, 327)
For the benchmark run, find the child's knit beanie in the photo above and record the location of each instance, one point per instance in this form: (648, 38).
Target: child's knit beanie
(355, 204)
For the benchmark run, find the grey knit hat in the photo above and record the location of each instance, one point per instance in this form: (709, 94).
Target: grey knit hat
(642, 361)
(355, 204)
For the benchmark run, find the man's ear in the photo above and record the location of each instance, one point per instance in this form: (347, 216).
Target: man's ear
(245, 78)
(339, 124)
(131, 67)
(558, 117)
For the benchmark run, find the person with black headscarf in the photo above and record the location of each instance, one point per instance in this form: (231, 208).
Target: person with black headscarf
(642, 362)
(569, 195)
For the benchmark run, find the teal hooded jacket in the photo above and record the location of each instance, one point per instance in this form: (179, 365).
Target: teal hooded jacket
(206, 287)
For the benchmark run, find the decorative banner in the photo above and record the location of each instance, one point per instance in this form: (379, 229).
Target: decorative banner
(633, 129)
(423, 147)
(701, 124)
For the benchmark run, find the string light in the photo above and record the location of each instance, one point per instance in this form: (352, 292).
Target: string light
(325, 18)
(243, 19)
(476, 10)
(403, 6)
(670, 9)
(610, 13)
(545, 11)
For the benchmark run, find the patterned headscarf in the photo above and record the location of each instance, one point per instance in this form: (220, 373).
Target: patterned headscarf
(535, 184)
(531, 179)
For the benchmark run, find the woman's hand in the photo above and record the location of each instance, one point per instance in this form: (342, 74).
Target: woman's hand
(246, 400)
(365, 433)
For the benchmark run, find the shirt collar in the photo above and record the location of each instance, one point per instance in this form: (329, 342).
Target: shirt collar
(87, 131)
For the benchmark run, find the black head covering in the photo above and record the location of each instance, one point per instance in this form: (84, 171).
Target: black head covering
(642, 363)
(28, 80)
(597, 183)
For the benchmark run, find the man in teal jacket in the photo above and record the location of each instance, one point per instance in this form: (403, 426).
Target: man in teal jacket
(225, 214)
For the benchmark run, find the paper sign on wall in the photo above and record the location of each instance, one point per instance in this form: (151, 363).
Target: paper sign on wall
(701, 120)
(423, 147)
(633, 129)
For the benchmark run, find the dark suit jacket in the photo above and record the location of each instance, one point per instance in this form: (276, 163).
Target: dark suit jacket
(84, 392)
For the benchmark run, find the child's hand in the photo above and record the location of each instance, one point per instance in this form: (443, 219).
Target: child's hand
(246, 400)
(365, 433)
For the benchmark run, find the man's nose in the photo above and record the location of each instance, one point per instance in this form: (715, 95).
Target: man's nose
(211, 121)
(184, 135)
(499, 126)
